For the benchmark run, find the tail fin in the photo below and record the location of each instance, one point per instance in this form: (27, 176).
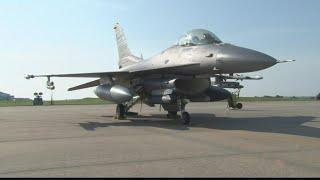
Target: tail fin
(125, 56)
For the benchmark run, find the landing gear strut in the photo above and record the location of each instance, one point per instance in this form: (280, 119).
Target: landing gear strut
(177, 106)
(120, 112)
(123, 109)
(232, 101)
(185, 116)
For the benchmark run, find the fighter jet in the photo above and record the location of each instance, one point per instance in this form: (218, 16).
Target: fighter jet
(177, 75)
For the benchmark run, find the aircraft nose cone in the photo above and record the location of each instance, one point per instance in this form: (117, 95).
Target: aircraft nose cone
(243, 59)
(258, 59)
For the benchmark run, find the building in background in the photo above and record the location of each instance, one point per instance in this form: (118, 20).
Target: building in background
(5, 96)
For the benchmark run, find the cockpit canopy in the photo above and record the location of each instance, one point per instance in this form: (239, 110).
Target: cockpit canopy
(198, 37)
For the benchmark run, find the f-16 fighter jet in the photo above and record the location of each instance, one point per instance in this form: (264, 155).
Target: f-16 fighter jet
(177, 75)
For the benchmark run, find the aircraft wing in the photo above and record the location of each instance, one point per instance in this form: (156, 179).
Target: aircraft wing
(118, 74)
(172, 69)
(83, 75)
(175, 69)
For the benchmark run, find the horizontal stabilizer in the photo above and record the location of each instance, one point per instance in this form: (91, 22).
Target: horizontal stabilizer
(86, 85)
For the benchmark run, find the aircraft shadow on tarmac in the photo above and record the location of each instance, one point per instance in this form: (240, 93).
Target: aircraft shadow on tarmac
(292, 125)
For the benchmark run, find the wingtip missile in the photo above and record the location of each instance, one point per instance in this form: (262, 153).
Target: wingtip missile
(257, 77)
(29, 76)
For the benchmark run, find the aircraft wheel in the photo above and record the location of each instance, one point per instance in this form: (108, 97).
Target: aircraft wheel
(185, 118)
(239, 105)
(120, 111)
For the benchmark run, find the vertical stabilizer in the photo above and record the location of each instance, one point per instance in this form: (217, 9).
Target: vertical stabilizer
(125, 56)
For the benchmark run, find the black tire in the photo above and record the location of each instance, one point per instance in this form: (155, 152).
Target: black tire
(239, 105)
(185, 118)
(120, 111)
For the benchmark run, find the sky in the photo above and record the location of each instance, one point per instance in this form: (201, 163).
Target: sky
(73, 36)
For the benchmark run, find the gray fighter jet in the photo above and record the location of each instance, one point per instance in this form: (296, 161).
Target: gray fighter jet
(179, 74)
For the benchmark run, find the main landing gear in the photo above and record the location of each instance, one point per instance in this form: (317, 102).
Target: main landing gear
(120, 112)
(178, 105)
(173, 109)
(185, 117)
(123, 109)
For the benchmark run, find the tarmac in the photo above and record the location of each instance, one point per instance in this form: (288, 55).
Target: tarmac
(264, 139)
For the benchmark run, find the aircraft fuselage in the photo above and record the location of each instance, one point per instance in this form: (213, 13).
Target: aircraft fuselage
(212, 58)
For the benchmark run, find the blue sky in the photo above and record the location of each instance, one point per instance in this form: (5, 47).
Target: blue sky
(71, 36)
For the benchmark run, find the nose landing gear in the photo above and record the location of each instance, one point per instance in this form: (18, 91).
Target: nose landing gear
(232, 101)
(185, 116)
(239, 105)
